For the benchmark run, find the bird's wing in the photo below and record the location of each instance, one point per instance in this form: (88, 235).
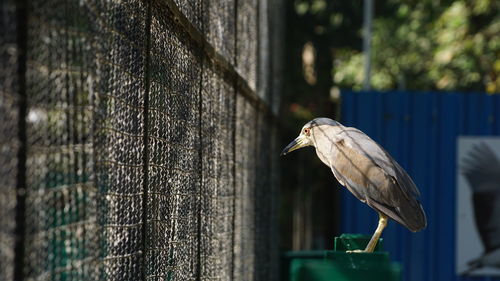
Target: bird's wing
(359, 141)
(481, 168)
(374, 177)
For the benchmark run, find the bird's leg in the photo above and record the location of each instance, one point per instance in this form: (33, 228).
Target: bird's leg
(382, 223)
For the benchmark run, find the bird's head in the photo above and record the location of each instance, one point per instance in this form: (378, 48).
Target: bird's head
(307, 133)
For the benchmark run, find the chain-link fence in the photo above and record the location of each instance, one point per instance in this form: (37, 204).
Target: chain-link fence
(137, 139)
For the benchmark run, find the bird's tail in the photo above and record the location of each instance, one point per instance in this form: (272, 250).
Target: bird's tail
(412, 215)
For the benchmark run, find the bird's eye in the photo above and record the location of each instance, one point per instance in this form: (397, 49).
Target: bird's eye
(307, 131)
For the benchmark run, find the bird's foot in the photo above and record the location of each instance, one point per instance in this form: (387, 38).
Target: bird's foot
(356, 251)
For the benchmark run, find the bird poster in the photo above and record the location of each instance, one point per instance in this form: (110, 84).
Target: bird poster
(478, 206)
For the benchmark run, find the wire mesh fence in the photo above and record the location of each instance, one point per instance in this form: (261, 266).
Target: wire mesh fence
(134, 144)
(9, 137)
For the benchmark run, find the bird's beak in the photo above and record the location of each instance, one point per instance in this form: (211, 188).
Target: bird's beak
(297, 143)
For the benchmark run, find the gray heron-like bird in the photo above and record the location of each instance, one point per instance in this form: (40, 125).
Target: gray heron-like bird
(368, 172)
(481, 168)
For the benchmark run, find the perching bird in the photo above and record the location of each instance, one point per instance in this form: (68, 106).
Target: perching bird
(481, 168)
(368, 172)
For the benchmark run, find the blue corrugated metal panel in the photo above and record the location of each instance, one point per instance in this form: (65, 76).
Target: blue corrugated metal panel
(420, 131)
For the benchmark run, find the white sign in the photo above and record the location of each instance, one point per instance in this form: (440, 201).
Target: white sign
(478, 206)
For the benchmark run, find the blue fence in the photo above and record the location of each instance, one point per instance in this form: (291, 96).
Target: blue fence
(420, 131)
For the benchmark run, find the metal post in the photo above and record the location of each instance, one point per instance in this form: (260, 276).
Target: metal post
(367, 46)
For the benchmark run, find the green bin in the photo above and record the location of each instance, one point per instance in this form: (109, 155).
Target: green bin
(338, 265)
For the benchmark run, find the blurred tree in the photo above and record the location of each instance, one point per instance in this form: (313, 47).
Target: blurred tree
(429, 45)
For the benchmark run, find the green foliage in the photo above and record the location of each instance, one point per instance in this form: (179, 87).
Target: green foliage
(429, 45)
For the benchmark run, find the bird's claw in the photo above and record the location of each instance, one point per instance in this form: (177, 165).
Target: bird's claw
(355, 251)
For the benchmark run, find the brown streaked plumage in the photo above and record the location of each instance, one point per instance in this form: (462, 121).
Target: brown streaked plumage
(367, 171)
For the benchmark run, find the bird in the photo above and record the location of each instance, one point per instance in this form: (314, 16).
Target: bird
(481, 169)
(367, 171)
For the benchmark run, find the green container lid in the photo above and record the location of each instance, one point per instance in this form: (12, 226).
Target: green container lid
(348, 242)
